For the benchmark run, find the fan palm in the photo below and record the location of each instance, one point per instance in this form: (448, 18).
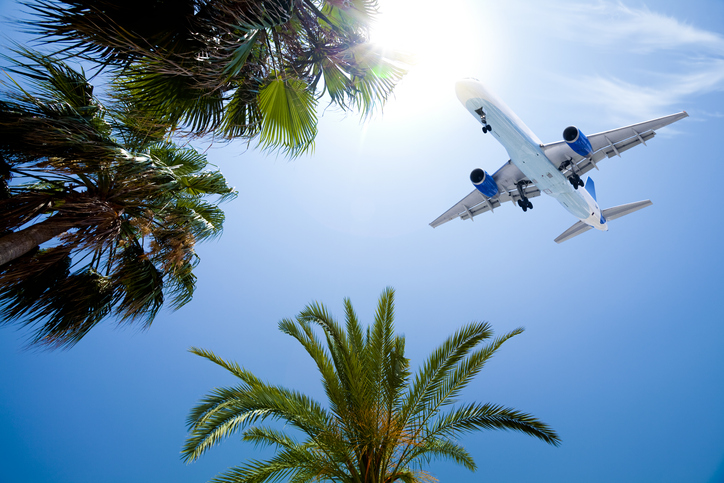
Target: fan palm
(381, 425)
(116, 209)
(234, 68)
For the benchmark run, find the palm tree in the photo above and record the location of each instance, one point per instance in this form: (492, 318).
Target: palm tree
(232, 68)
(380, 424)
(100, 216)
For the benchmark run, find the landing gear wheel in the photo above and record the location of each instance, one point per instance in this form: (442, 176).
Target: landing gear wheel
(575, 181)
(485, 129)
(525, 204)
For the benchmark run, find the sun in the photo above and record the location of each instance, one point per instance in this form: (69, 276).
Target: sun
(446, 43)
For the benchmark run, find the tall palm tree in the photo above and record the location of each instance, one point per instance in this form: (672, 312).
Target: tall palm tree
(233, 68)
(100, 215)
(380, 424)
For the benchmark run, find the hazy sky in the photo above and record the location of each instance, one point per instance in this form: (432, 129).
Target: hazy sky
(623, 348)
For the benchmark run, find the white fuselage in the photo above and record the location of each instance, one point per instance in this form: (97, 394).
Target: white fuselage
(524, 149)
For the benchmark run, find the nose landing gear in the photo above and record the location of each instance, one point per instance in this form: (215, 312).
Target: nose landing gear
(486, 126)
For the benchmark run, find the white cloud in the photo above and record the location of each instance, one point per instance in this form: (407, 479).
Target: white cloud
(676, 60)
(639, 29)
(627, 100)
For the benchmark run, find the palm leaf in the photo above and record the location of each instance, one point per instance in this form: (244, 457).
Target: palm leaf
(242, 117)
(289, 121)
(142, 285)
(24, 281)
(72, 308)
(473, 417)
(376, 429)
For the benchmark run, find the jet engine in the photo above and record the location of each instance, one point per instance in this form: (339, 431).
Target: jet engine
(577, 141)
(484, 182)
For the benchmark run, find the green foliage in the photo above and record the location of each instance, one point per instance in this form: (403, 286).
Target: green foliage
(288, 115)
(380, 425)
(123, 208)
(233, 68)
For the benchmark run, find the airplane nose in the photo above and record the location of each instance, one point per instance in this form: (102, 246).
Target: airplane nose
(467, 89)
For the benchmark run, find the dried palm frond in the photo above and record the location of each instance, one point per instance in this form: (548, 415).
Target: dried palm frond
(118, 221)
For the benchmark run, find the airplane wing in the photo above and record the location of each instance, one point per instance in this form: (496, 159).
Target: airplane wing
(607, 144)
(507, 179)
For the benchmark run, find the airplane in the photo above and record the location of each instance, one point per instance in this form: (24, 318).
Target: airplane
(554, 169)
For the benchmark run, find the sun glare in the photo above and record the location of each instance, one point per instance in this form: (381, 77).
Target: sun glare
(444, 42)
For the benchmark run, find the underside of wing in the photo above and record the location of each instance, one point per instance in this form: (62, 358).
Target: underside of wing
(463, 207)
(508, 179)
(606, 145)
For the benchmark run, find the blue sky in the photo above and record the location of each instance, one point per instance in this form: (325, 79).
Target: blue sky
(622, 352)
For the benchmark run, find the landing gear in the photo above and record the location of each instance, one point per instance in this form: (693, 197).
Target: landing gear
(486, 126)
(523, 202)
(575, 181)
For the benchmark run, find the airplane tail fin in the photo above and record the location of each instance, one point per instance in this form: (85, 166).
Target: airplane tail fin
(608, 214)
(591, 188)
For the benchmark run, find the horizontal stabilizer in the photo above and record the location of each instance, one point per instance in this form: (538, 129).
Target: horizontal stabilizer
(576, 229)
(623, 210)
(609, 214)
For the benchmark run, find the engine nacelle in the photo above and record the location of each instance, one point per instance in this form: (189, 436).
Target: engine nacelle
(484, 182)
(577, 141)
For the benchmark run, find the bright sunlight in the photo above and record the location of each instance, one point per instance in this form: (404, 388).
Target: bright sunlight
(444, 43)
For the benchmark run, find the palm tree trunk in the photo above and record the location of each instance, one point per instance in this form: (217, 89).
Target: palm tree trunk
(19, 243)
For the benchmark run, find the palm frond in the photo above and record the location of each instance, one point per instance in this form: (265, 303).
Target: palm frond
(206, 183)
(230, 366)
(183, 161)
(180, 285)
(301, 330)
(441, 448)
(261, 436)
(375, 74)
(465, 370)
(289, 120)
(136, 209)
(242, 116)
(227, 410)
(71, 309)
(378, 428)
(142, 295)
(433, 373)
(24, 281)
(475, 416)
